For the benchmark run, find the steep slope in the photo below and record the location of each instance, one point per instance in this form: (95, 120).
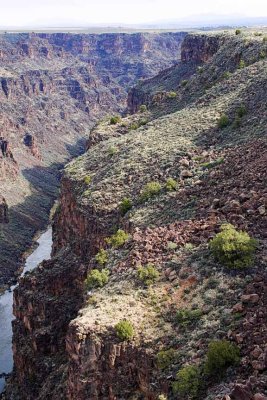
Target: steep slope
(218, 174)
(53, 87)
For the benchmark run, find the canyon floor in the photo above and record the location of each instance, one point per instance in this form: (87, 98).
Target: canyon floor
(152, 190)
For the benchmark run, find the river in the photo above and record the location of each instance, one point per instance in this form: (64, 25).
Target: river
(42, 252)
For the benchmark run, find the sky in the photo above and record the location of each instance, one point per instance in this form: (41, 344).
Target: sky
(22, 13)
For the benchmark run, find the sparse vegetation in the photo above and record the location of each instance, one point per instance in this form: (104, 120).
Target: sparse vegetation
(102, 257)
(187, 318)
(221, 355)
(112, 150)
(150, 190)
(165, 358)
(171, 95)
(212, 164)
(171, 185)
(238, 31)
(118, 239)
(124, 330)
(125, 205)
(223, 121)
(187, 382)
(184, 82)
(115, 120)
(234, 249)
(241, 111)
(87, 179)
(241, 64)
(96, 279)
(148, 274)
(143, 108)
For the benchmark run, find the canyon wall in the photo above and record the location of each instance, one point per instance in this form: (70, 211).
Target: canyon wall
(53, 87)
(65, 342)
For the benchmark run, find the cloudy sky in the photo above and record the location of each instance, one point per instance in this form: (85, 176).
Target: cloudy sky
(86, 12)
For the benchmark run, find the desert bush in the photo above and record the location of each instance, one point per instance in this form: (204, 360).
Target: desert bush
(148, 274)
(238, 31)
(221, 355)
(124, 330)
(241, 64)
(171, 184)
(212, 164)
(264, 39)
(143, 108)
(187, 318)
(165, 358)
(223, 121)
(237, 122)
(241, 111)
(118, 239)
(112, 150)
(151, 189)
(262, 55)
(234, 249)
(87, 179)
(134, 126)
(187, 382)
(125, 205)
(171, 95)
(184, 82)
(102, 257)
(115, 120)
(96, 278)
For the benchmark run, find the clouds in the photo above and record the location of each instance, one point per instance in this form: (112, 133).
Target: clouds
(86, 12)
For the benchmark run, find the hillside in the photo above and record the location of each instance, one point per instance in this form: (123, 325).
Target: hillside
(159, 183)
(53, 88)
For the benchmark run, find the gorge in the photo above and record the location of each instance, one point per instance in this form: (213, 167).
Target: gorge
(149, 194)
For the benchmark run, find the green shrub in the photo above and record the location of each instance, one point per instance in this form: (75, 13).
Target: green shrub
(96, 278)
(148, 274)
(151, 189)
(143, 108)
(200, 70)
(262, 55)
(87, 179)
(171, 184)
(187, 318)
(241, 111)
(118, 239)
(171, 95)
(142, 122)
(124, 330)
(221, 355)
(115, 120)
(264, 39)
(102, 257)
(212, 164)
(134, 126)
(238, 31)
(125, 205)
(223, 121)
(165, 358)
(226, 75)
(112, 150)
(234, 249)
(241, 64)
(184, 82)
(187, 383)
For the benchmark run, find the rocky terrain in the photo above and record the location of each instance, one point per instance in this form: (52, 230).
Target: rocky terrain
(53, 87)
(158, 183)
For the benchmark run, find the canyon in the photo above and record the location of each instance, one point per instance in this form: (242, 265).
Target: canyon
(165, 177)
(54, 87)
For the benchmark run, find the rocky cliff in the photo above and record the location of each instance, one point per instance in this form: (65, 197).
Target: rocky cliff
(53, 87)
(158, 184)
